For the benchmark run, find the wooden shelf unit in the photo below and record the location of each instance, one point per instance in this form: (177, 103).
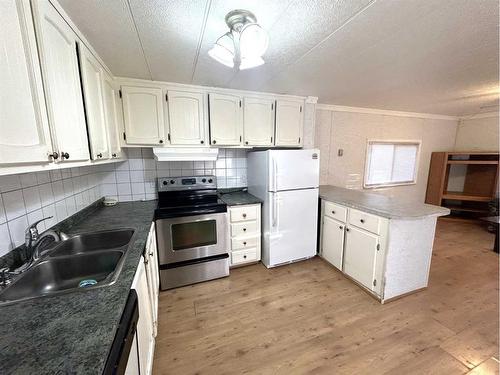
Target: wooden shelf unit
(469, 187)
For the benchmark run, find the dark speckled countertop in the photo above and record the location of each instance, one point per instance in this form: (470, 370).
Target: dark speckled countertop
(237, 197)
(72, 333)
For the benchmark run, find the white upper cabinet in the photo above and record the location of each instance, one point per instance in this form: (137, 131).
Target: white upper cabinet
(225, 120)
(24, 130)
(289, 122)
(92, 78)
(258, 122)
(58, 52)
(186, 118)
(143, 115)
(112, 110)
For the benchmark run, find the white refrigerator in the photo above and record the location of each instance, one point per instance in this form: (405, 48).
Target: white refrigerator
(287, 181)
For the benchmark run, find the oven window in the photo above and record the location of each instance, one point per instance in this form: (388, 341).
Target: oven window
(195, 234)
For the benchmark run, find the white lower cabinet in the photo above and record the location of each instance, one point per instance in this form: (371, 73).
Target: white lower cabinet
(355, 243)
(146, 284)
(333, 241)
(360, 256)
(245, 234)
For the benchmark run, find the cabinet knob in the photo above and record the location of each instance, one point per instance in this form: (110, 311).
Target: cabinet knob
(246, 142)
(244, 229)
(333, 212)
(214, 142)
(64, 155)
(362, 221)
(347, 229)
(245, 243)
(114, 155)
(202, 142)
(244, 257)
(54, 155)
(341, 227)
(244, 215)
(161, 140)
(99, 155)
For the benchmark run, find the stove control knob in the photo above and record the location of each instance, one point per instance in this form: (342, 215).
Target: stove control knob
(172, 181)
(165, 182)
(210, 180)
(203, 180)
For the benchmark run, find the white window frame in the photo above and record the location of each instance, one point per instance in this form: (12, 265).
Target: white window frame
(370, 142)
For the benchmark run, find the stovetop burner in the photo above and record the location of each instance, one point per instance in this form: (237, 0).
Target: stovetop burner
(188, 196)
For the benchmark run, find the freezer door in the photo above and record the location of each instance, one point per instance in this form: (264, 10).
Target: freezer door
(293, 225)
(293, 169)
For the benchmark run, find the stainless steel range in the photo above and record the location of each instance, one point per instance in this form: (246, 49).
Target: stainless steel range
(191, 228)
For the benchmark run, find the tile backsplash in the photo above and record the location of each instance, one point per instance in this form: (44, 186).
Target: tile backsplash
(135, 179)
(26, 198)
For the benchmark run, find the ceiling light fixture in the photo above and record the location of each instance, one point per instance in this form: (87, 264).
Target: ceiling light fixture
(244, 44)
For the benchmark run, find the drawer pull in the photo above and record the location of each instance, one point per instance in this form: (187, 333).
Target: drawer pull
(245, 243)
(244, 215)
(244, 229)
(362, 221)
(244, 257)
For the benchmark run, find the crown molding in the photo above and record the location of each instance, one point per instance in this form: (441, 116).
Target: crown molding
(386, 112)
(480, 115)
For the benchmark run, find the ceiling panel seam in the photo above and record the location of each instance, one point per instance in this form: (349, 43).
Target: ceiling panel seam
(139, 37)
(208, 5)
(322, 41)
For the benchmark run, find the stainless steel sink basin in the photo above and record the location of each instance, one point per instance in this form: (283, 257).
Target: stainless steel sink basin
(59, 274)
(96, 257)
(96, 241)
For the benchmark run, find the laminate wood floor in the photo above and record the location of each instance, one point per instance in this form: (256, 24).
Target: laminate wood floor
(306, 318)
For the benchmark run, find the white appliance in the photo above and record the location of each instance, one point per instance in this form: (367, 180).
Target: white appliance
(287, 181)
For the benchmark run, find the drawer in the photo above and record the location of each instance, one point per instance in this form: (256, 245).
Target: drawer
(244, 256)
(243, 213)
(244, 243)
(336, 211)
(368, 222)
(244, 229)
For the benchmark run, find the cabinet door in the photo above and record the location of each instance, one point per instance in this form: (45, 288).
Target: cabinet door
(111, 115)
(289, 120)
(225, 120)
(24, 130)
(145, 339)
(152, 272)
(258, 122)
(61, 77)
(186, 118)
(332, 241)
(92, 77)
(143, 115)
(360, 256)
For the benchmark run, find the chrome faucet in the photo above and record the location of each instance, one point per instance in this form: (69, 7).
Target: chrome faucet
(33, 239)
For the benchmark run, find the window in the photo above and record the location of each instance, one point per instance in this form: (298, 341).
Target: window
(391, 163)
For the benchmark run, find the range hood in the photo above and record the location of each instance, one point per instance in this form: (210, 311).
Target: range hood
(185, 154)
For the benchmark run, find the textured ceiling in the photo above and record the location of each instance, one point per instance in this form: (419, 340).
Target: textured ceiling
(431, 56)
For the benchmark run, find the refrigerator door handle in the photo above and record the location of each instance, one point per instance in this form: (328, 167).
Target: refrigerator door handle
(275, 210)
(275, 175)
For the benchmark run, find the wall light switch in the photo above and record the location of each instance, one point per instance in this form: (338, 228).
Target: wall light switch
(340, 152)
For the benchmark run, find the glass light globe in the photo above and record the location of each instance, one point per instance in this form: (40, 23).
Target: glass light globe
(250, 62)
(223, 50)
(253, 41)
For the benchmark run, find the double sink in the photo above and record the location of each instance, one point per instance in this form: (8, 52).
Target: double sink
(85, 261)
